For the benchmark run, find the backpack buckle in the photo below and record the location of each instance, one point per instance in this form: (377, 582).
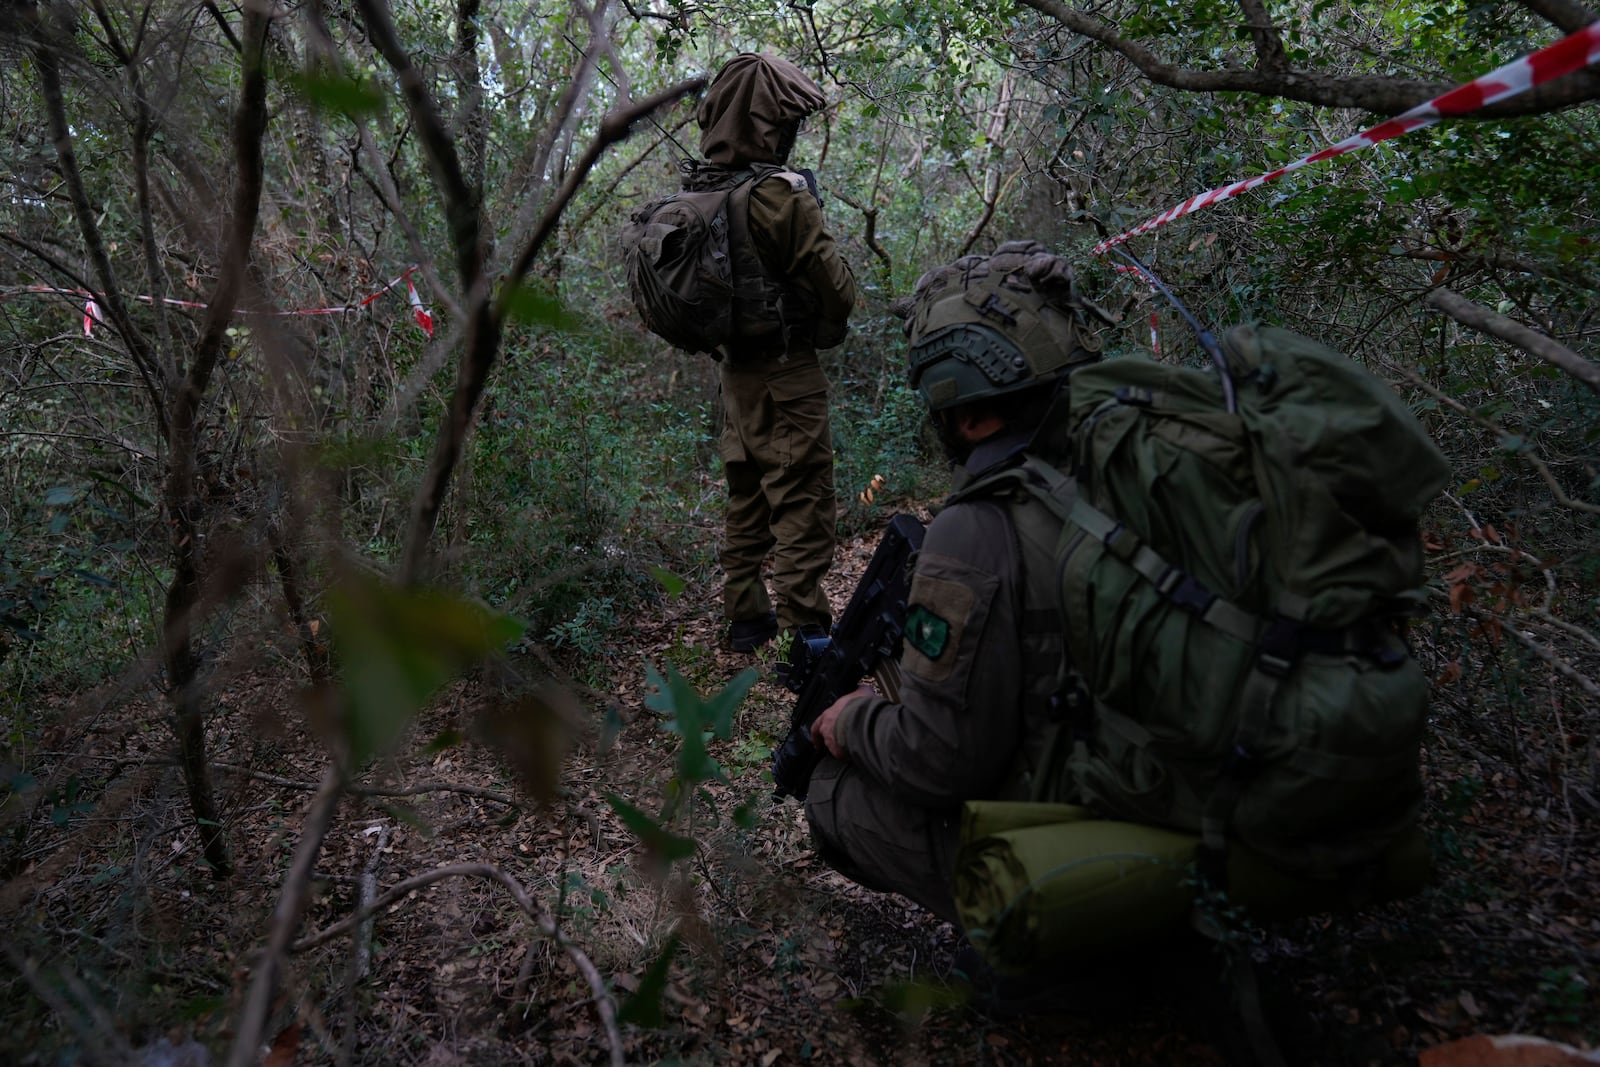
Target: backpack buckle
(1279, 647)
(1240, 764)
(1121, 542)
(1190, 595)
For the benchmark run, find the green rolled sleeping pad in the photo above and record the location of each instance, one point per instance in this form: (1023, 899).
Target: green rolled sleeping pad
(1037, 883)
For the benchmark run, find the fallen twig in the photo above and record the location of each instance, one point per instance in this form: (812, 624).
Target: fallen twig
(292, 898)
(603, 1003)
(375, 790)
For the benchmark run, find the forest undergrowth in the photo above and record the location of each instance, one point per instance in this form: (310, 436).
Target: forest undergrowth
(748, 950)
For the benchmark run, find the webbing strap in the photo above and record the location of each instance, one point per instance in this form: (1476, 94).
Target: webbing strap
(1239, 973)
(1172, 582)
(1124, 727)
(1255, 708)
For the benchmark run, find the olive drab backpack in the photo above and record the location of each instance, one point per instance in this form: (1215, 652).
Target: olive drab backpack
(1236, 561)
(694, 276)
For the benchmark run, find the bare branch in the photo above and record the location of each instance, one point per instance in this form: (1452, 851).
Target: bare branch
(285, 920)
(438, 148)
(600, 199)
(382, 181)
(1568, 16)
(1549, 655)
(615, 127)
(1533, 342)
(144, 359)
(1378, 94)
(1527, 456)
(373, 790)
(181, 495)
(1269, 46)
(531, 908)
(870, 233)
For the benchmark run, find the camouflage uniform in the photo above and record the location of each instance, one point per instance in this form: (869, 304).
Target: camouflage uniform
(776, 446)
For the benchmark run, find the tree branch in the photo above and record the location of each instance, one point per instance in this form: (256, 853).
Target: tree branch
(181, 496)
(381, 180)
(531, 908)
(613, 128)
(1270, 57)
(482, 337)
(1568, 16)
(1527, 456)
(1378, 94)
(870, 231)
(45, 61)
(1533, 342)
(374, 790)
(285, 920)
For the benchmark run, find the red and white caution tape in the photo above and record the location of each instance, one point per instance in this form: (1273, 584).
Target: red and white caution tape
(1155, 319)
(92, 316)
(424, 319)
(1571, 53)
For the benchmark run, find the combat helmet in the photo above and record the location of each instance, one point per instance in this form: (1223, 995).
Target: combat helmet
(984, 326)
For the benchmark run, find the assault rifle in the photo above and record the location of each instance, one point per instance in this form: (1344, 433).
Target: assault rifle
(866, 640)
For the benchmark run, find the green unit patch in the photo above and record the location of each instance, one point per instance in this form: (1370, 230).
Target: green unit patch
(926, 632)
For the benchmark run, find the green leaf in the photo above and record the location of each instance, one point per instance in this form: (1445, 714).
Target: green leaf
(665, 845)
(397, 646)
(687, 712)
(720, 708)
(98, 580)
(443, 740)
(669, 581)
(533, 732)
(337, 92)
(62, 495)
(644, 1007)
(524, 303)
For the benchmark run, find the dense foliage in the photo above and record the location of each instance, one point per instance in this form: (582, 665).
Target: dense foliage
(212, 481)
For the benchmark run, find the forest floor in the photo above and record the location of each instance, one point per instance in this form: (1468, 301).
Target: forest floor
(778, 960)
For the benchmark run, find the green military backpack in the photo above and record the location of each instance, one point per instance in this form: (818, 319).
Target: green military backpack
(1236, 563)
(694, 276)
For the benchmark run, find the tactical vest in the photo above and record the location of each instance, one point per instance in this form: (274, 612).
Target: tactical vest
(769, 316)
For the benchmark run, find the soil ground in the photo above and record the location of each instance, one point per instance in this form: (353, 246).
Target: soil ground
(127, 940)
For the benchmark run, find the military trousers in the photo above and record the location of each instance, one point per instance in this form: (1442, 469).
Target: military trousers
(777, 453)
(882, 841)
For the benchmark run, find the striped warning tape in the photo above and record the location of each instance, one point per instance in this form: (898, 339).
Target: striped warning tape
(1155, 319)
(92, 315)
(1569, 54)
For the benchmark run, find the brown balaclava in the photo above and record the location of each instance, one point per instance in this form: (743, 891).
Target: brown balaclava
(746, 113)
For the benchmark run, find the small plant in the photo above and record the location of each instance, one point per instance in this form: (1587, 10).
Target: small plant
(1563, 994)
(588, 628)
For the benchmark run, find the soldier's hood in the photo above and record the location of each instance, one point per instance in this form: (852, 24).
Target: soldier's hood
(752, 99)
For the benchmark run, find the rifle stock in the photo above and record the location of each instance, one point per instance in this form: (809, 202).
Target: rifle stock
(865, 639)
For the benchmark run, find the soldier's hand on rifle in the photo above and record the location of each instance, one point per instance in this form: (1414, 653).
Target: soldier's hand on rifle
(822, 729)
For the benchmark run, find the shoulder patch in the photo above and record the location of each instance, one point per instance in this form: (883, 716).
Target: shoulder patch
(938, 615)
(926, 632)
(797, 182)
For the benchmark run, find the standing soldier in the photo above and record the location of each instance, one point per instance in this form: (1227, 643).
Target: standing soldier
(776, 446)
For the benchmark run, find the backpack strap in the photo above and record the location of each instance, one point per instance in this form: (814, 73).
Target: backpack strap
(757, 296)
